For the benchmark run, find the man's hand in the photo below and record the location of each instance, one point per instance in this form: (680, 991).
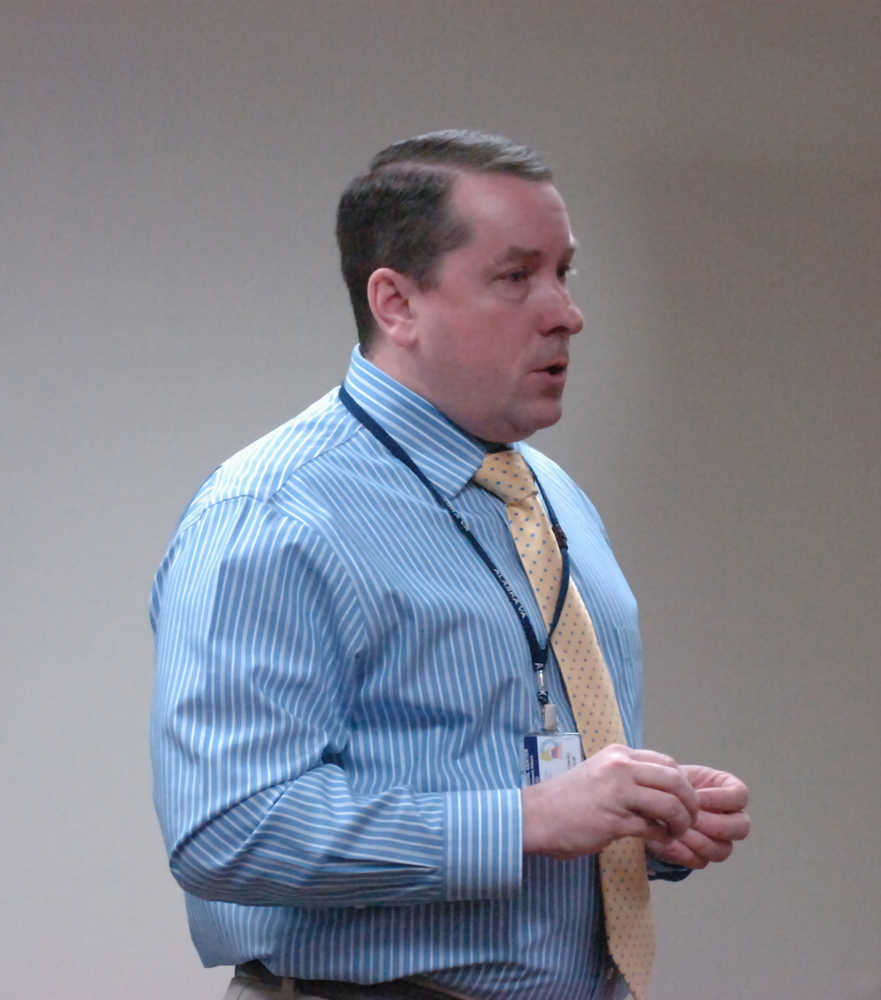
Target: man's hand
(721, 820)
(618, 792)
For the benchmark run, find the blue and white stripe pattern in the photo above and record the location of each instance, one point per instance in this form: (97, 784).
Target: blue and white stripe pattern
(342, 690)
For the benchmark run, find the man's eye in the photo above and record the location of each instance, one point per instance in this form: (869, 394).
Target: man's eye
(515, 277)
(566, 271)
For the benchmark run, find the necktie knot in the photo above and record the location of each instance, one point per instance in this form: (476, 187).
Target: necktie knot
(506, 474)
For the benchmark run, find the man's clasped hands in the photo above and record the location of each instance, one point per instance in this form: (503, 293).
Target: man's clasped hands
(687, 814)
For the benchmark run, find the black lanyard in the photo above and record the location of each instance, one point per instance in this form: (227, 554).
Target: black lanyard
(538, 653)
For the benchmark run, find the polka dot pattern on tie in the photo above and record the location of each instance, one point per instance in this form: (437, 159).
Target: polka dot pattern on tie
(626, 898)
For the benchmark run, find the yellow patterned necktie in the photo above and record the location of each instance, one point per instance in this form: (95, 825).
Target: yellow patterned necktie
(626, 900)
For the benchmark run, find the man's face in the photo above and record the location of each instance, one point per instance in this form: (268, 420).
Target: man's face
(492, 335)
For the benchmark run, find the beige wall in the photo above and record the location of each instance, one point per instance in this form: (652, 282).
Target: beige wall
(169, 291)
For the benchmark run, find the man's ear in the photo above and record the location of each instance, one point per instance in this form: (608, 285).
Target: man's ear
(388, 294)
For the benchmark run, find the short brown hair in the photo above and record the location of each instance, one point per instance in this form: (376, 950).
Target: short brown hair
(397, 214)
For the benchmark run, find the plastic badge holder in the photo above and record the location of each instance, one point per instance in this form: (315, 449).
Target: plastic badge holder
(545, 755)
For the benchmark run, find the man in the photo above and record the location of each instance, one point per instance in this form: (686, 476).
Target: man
(345, 673)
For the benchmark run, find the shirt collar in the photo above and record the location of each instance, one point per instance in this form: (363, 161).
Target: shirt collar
(447, 455)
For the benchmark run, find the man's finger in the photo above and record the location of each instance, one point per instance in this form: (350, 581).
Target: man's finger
(723, 826)
(707, 848)
(676, 852)
(652, 756)
(727, 798)
(656, 806)
(667, 779)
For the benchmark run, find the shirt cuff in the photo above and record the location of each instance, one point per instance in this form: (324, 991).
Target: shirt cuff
(658, 869)
(484, 844)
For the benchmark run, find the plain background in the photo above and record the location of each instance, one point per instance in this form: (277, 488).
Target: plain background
(169, 291)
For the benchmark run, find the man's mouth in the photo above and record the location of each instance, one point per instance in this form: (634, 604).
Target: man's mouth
(558, 368)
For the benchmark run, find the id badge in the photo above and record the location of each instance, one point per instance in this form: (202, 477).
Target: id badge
(545, 755)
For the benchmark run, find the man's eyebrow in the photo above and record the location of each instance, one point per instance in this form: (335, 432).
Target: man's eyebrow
(516, 254)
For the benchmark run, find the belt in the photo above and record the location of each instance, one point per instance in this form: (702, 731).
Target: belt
(394, 989)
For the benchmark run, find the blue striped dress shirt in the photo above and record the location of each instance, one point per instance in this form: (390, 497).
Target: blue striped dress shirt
(342, 690)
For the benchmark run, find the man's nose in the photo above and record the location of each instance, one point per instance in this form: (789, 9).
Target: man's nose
(562, 315)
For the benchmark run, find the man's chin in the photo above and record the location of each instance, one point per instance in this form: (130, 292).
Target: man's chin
(536, 420)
